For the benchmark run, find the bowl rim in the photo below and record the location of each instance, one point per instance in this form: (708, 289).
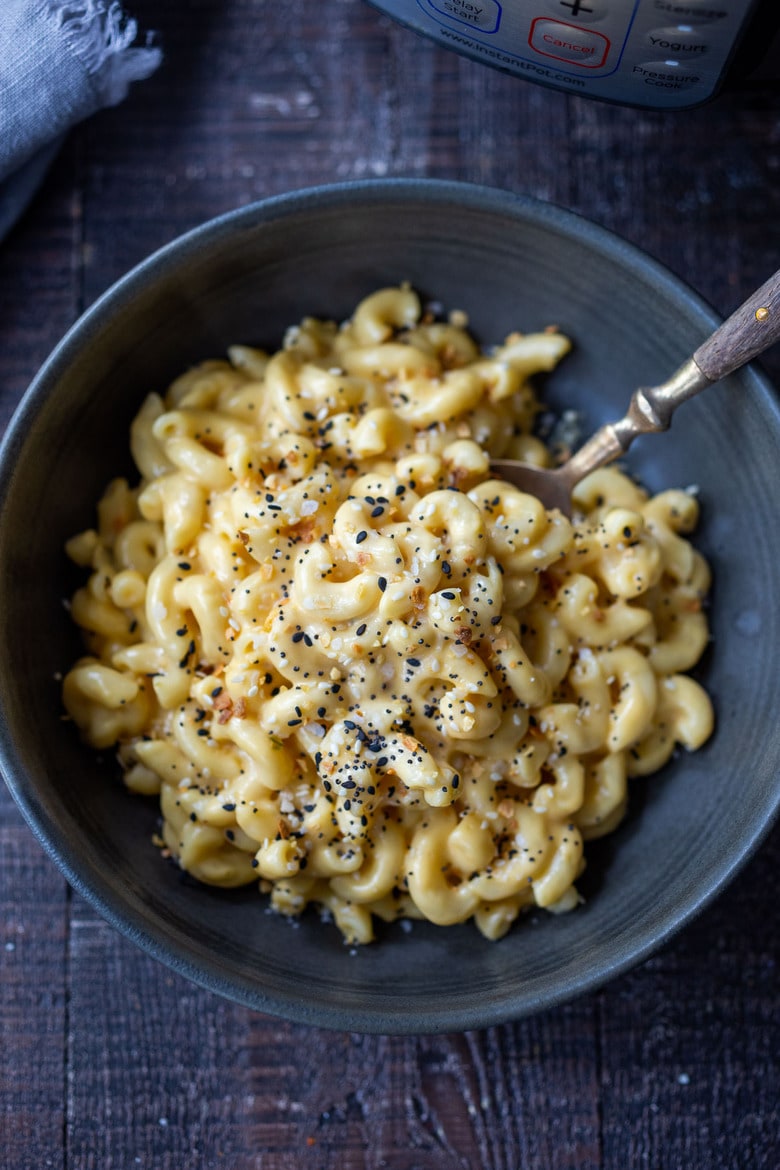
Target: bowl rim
(89, 881)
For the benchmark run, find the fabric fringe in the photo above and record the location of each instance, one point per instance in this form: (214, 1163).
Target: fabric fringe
(100, 34)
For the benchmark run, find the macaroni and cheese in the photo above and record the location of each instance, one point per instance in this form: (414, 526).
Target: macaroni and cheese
(354, 666)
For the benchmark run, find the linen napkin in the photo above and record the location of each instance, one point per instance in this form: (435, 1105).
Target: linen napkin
(60, 61)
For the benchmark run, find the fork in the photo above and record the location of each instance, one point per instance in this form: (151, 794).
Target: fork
(749, 331)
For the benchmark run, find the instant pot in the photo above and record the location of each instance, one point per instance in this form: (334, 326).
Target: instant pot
(657, 54)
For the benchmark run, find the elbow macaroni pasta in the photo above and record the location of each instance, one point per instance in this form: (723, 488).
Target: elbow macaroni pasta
(355, 667)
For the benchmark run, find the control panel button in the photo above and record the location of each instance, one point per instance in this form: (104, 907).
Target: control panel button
(666, 75)
(691, 11)
(482, 14)
(683, 40)
(568, 42)
(581, 11)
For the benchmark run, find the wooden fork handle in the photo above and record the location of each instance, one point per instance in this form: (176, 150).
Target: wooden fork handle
(751, 329)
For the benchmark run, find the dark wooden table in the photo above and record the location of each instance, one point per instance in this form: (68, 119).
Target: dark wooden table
(109, 1061)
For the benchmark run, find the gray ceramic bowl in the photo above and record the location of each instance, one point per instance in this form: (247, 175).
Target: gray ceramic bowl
(511, 263)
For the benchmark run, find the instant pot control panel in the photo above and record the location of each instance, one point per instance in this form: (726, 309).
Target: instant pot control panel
(657, 53)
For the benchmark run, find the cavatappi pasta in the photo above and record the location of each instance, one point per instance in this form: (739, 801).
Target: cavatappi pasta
(354, 666)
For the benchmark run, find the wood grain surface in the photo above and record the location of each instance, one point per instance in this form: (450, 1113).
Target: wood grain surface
(108, 1061)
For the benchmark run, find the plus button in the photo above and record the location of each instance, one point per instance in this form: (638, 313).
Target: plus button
(576, 6)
